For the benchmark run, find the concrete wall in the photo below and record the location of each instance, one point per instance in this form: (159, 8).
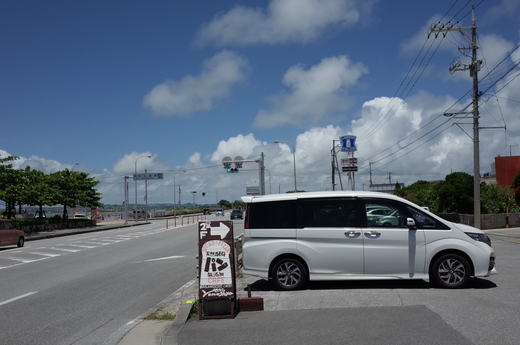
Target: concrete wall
(487, 221)
(57, 226)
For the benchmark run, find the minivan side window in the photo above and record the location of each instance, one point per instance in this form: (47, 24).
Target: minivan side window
(424, 221)
(272, 215)
(384, 214)
(329, 213)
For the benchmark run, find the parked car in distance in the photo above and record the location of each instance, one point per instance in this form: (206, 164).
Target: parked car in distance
(356, 235)
(236, 214)
(80, 216)
(137, 214)
(9, 235)
(219, 212)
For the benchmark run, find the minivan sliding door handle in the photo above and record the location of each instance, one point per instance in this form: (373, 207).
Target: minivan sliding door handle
(352, 233)
(372, 234)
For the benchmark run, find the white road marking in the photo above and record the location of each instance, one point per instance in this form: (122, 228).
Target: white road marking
(17, 298)
(66, 250)
(80, 246)
(45, 254)
(158, 259)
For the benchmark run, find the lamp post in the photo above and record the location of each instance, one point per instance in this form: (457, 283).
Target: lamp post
(71, 170)
(294, 160)
(126, 198)
(174, 199)
(135, 182)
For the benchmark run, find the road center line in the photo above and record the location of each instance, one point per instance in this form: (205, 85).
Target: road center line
(17, 298)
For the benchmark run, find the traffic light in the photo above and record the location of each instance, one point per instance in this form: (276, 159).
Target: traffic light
(232, 170)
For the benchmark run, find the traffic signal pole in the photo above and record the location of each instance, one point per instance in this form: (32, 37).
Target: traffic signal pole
(238, 164)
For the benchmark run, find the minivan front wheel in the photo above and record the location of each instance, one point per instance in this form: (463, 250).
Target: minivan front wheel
(289, 274)
(451, 271)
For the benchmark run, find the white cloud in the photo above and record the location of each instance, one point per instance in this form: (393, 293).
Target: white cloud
(132, 162)
(181, 98)
(236, 146)
(316, 93)
(415, 43)
(505, 8)
(38, 163)
(284, 21)
(414, 142)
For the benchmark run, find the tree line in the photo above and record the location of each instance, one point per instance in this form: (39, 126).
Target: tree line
(32, 187)
(455, 195)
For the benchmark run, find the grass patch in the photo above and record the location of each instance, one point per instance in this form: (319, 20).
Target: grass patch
(160, 314)
(194, 313)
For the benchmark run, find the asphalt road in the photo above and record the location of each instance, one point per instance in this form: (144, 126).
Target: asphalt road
(91, 288)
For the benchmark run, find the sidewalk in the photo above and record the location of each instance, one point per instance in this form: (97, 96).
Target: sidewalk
(65, 232)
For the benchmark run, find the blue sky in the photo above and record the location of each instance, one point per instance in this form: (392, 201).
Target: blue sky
(101, 83)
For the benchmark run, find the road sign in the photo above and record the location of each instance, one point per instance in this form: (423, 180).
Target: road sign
(348, 143)
(253, 190)
(348, 161)
(349, 169)
(149, 176)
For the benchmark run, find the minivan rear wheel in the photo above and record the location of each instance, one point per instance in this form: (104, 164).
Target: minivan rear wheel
(451, 271)
(289, 274)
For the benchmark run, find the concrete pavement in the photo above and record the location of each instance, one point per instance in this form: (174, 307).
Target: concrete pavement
(324, 313)
(321, 314)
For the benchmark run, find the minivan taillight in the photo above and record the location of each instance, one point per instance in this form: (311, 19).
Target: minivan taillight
(248, 216)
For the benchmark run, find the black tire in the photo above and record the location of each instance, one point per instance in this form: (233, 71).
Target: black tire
(21, 242)
(289, 274)
(450, 271)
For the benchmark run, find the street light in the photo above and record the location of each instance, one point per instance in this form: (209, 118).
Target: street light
(174, 199)
(135, 182)
(294, 160)
(126, 198)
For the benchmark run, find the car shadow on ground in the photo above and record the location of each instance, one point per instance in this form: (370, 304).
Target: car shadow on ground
(11, 247)
(474, 283)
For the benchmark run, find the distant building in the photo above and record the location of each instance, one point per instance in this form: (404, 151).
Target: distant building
(506, 168)
(384, 187)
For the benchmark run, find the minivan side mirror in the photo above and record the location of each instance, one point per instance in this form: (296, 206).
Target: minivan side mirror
(410, 223)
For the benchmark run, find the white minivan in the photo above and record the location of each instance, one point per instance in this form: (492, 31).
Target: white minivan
(297, 237)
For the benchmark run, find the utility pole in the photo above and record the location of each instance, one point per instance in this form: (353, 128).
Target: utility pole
(473, 68)
(510, 149)
(335, 166)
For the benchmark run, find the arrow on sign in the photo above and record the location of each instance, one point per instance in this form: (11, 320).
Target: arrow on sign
(222, 231)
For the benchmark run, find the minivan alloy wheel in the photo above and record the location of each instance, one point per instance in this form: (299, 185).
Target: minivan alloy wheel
(451, 271)
(289, 274)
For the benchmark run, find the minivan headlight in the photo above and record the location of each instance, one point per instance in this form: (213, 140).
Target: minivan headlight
(480, 237)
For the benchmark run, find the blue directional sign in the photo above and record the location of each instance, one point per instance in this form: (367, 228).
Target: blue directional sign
(348, 143)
